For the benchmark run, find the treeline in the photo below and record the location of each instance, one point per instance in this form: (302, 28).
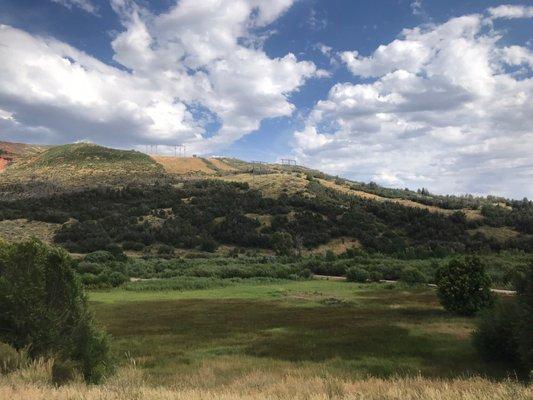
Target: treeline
(204, 214)
(519, 215)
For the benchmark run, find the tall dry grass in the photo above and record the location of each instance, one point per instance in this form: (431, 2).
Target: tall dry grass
(34, 383)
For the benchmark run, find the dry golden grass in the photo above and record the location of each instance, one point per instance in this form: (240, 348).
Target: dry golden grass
(272, 185)
(221, 165)
(183, 165)
(34, 383)
(470, 214)
(18, 229)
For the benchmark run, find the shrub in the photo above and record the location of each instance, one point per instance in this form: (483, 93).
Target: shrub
(525, 327)
(63, 372)
(165, 250)
(100, 256)
(496, 334)
(375, 275)
(131, 245)
(305, 273)
(463, 286)
(208, 244)
(412, 276)
(357, 274)
(10, 358)
(42, 307)
(505, 333)
(282, 243)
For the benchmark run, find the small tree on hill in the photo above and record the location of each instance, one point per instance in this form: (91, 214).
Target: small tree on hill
(43, 308)
(464, 286)
(282, 243)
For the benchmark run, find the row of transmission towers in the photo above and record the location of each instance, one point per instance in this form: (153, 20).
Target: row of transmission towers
(179, 149)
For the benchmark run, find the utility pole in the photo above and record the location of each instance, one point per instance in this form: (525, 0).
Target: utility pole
(288, 162)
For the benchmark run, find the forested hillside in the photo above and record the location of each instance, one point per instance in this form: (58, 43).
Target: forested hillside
(103, 199)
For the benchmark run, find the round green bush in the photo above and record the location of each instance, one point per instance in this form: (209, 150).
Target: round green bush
(412, 276)
(43, 308)
(463, 286)
(357, 274)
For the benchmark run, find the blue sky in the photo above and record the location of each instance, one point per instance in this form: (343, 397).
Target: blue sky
(408, 93)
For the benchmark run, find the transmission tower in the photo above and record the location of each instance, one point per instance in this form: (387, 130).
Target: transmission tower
(288, 162)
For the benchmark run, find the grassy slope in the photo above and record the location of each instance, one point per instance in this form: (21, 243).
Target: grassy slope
(83, 165)
(340, 329)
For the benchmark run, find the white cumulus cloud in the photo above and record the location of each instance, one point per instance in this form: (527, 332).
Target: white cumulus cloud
(195, 56)
(442, 106)
(511, 11)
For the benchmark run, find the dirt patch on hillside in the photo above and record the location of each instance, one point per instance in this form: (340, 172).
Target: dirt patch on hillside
(4, 162)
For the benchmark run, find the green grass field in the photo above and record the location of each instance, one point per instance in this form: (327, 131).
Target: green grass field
(314, 327)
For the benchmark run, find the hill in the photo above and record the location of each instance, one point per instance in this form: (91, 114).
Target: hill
(37, 171)
(92, 197)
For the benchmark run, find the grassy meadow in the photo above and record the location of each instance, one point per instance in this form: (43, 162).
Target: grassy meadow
(255, 339)
(312, 327)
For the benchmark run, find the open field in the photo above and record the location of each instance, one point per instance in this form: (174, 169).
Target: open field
(314, 339)
(311, 328)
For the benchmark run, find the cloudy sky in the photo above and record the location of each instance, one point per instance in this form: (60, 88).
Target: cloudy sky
(406, 93)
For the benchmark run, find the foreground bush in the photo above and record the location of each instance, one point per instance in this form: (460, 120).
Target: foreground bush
(463, 286)
(43, 309)
(496, 335)
(10, 358)
(505, 333)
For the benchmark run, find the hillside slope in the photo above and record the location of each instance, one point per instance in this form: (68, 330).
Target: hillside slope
(99, 196)
(76, 166)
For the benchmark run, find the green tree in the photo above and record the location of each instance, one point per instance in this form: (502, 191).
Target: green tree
(282, 243)
(43, 308)
(357, 274)
(463, 286)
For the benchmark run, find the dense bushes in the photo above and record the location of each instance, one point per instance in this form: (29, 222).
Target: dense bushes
(505, 333)
(412, 276)
(357, 274)
(496, 334)
(42, 308)
(463, 286)
(203, 214)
